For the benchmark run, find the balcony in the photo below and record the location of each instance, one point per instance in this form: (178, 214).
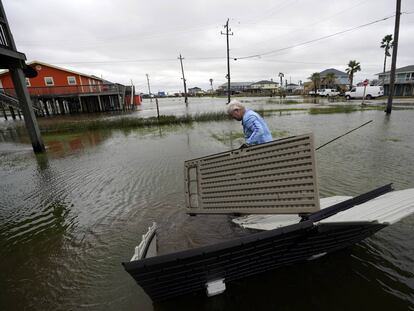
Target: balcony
(72, 90)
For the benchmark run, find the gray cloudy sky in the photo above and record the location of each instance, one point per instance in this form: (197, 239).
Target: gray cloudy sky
(124, 40)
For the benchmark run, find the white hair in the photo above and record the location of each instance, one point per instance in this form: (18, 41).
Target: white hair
(234, 105)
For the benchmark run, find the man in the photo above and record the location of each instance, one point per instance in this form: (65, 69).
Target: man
(254, 127)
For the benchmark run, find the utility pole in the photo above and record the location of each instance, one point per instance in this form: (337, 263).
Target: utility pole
(132, 94)
(394, 57)
(184, 81)
(228, 58)
(149, 88)
(281, 75)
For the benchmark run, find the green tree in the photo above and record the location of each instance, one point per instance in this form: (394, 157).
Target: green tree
(329, 79)
(316, 80)
(353, 67)
(386, 44)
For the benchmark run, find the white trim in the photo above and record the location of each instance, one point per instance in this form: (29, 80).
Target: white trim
(47, 84)
(73, 81)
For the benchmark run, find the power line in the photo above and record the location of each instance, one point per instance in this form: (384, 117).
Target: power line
(314, 40)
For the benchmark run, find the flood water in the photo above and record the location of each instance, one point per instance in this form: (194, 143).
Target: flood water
(69, 218)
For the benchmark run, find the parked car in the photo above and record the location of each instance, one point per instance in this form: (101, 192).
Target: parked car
(312, 93)
(328, 92)
(370, 92)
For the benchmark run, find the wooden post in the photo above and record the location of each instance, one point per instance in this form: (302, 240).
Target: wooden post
(32, 127)
(46, 108)
(80, 104)
(123, 98)
(158, 109)
(100, 104)
(4, 112)
(13, 115)
(61, 106)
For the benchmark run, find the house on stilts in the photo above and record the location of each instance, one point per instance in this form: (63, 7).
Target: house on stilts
(58, 91)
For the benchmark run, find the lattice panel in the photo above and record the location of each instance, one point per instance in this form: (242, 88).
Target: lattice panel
(273, 178)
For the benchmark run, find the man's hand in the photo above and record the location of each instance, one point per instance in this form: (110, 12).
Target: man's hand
(244, 146)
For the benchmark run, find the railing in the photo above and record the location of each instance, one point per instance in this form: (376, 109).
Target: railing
(69, 90)
(3, 36)
(399, 80)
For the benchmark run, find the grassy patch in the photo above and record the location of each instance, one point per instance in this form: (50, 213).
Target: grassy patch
(395, 140)
(128, 122)
(342, 109)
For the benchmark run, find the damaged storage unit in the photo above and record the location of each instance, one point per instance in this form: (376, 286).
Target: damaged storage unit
(278, 177)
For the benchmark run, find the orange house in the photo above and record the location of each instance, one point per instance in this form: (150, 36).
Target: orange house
(53, 80)
(72, 91)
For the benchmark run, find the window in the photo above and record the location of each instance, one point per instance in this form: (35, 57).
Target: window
(72, 80)
(27, 82)
(49, 81)
(409, 76)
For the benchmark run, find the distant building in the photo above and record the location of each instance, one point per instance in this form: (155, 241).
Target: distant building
(404, 81)
(195, 91)
(264, 87)
(294, 88)
(235, 87)
(341, 77)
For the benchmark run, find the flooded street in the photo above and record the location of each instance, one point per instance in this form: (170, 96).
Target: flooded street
(70, 217)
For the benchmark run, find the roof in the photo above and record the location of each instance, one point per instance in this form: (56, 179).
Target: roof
(35, 62)
(409, 68)
(333, 70)
(237, 84)
(265, 82)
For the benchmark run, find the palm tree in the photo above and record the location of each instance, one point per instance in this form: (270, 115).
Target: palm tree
(316, 80)
(386, 44)
(211, 83)
(353, 67)
(330, 79)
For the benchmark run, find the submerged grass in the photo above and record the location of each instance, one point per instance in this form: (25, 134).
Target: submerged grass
(128, 122)
(121, 123)
(69, 126)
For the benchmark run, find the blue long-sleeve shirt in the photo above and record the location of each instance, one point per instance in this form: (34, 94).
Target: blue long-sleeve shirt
(255, 129)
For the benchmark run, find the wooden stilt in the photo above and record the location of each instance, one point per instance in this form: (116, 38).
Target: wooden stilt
(4, 112)
(13, 115)
(46, 108)
(100, 104)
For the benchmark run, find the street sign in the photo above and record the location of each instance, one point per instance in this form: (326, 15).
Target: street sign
(365, 83)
